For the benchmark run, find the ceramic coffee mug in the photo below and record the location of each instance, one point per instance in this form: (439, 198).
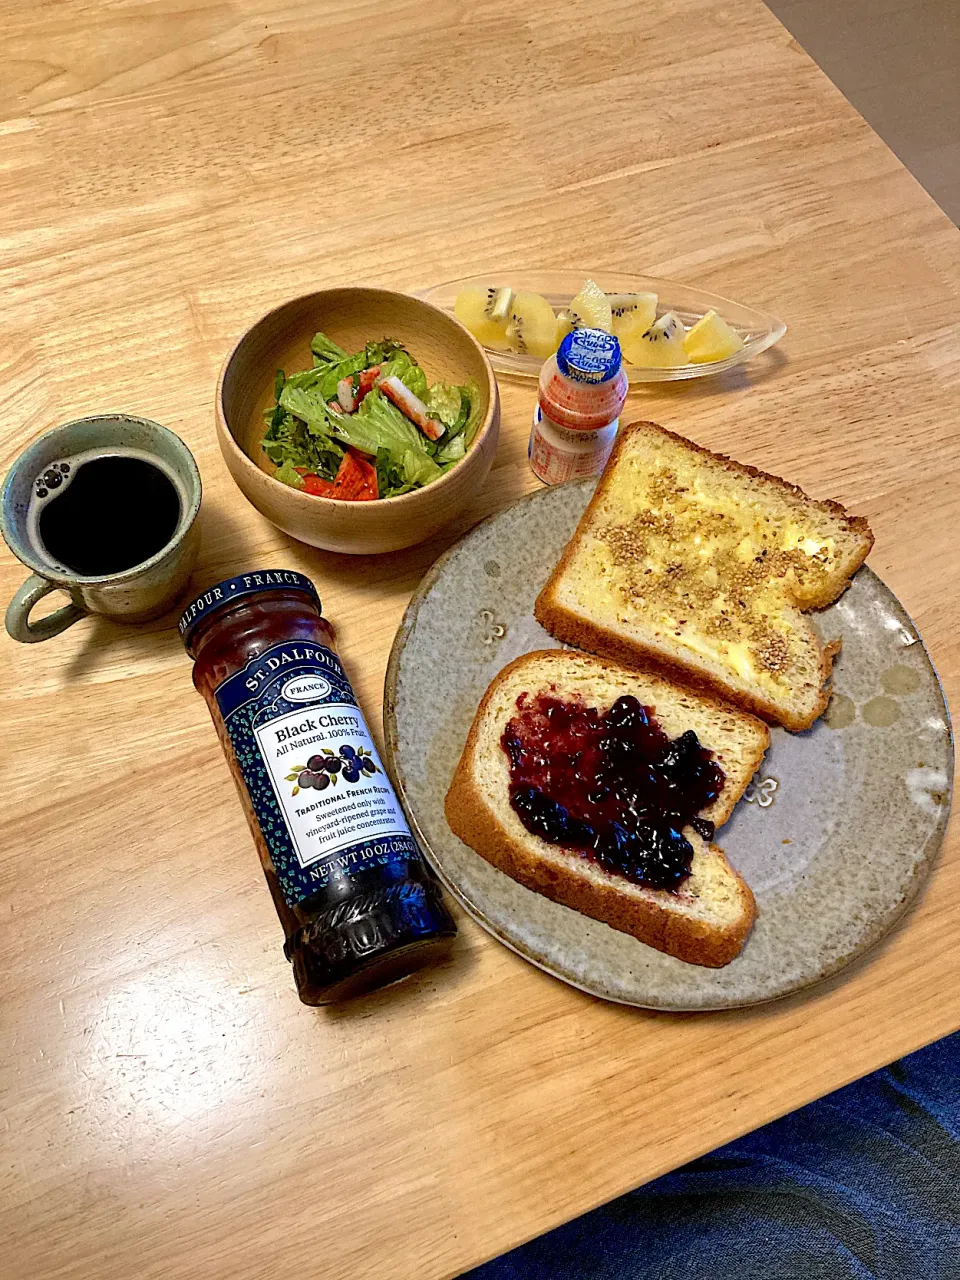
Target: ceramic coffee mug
(135, 594)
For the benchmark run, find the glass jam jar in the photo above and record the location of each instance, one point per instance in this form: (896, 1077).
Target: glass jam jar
(358, 905)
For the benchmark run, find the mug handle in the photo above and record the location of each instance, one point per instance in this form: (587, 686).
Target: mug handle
(18, 621)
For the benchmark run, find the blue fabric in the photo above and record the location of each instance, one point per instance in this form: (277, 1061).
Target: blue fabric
(862, 1185)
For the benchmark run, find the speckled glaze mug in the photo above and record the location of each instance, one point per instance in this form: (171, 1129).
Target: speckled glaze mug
(135, 594)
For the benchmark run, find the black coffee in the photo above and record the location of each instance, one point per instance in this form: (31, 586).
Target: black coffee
(111, 512)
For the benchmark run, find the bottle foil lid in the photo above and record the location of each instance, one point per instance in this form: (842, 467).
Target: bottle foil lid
(589, 355)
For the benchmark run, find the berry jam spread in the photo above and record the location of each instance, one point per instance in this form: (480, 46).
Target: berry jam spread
(610, 785)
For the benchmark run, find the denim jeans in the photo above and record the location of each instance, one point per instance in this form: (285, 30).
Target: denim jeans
(862, 1185)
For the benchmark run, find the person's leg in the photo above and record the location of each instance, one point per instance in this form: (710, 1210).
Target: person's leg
(862, 1185)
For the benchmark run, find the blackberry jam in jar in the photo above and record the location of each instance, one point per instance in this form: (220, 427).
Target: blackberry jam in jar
(358, 905)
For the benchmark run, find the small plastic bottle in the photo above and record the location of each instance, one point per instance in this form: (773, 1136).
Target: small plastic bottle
(358, 906)
(582, 391)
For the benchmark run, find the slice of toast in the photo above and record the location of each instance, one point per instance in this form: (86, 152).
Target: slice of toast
(707, 918)
(686, 559)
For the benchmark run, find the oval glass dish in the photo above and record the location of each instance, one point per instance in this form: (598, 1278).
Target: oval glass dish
(758, 330)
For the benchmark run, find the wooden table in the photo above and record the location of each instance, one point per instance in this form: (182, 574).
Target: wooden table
(168, 1108)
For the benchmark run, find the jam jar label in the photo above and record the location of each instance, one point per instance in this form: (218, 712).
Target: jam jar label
(319, 789)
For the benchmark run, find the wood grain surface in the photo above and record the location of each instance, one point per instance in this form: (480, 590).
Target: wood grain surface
(167, 172)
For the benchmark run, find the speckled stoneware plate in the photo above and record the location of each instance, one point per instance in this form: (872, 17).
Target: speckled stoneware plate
(835, 834)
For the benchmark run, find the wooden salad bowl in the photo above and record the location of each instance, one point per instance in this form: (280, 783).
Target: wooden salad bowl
(351, 316)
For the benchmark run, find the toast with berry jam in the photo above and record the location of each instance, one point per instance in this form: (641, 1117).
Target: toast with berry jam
(688, 559)
(600, 786)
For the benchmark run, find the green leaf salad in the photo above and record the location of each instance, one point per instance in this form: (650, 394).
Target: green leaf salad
(366, 425)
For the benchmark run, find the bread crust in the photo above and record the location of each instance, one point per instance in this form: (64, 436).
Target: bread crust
(652, 919)
(554, 617)
(593, 638)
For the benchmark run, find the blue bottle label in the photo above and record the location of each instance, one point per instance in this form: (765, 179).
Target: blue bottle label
(316, 782)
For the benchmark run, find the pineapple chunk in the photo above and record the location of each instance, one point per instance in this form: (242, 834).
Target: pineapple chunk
(660, 347)
(590, 309)
(564, 325)
(711, 338)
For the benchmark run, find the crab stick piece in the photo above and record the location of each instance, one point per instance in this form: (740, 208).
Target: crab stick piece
(346, 395)
(367, 381)
(412, 406)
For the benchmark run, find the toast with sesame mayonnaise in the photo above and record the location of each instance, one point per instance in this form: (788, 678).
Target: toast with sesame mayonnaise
(707, 567)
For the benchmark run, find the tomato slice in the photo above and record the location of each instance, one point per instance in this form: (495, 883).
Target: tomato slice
(357, 478)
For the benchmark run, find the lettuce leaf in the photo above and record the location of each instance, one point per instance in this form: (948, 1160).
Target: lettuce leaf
(377, 425)
(309, 405)
(287, 474)
(390, 481)
(452, 451)
(326, 351)
(418, 468)
(291, 442)
(472, 394)
(444, 402)
(382, 351)
(288, 438)
(323, 378)
(402, 365)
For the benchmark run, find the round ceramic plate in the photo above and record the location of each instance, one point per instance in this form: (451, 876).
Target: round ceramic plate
(835, 834)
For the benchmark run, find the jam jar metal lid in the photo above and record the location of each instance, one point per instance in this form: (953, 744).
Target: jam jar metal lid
(589, 355)
(224, 594)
